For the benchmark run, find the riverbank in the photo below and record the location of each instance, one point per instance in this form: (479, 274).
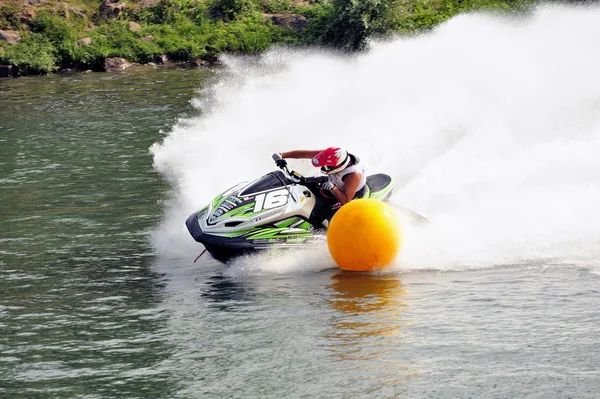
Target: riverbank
(47, 36)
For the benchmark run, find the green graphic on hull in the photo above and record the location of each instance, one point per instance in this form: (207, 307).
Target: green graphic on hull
(293, 221)
(267, 233)
(218, 201)
(287, 222)
(305, 226)
(240, 211)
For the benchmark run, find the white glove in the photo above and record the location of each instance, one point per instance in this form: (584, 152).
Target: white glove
(328, 186)
(277, 157)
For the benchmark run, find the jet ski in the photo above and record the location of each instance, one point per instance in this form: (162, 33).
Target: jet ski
(276, 210)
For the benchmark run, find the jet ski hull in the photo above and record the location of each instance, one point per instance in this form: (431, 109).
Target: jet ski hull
(272, 212)
(225, 249)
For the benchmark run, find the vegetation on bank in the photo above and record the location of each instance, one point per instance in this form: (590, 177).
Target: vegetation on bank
(56, 35)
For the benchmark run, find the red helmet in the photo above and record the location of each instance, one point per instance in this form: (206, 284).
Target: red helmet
(331, 160)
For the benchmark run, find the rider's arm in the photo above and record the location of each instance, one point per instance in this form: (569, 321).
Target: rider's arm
(300, 154)
(352, 181)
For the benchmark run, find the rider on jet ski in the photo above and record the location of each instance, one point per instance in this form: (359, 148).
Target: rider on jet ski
(347, 178)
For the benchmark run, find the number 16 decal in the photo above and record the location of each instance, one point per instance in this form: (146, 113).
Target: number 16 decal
(270, 200)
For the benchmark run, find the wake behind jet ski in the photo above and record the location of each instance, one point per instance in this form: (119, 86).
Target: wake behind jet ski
(281, 209)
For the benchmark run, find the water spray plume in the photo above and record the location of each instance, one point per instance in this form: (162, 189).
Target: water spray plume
(490, 127)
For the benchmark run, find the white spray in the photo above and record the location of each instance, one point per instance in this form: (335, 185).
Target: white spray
(490, 127)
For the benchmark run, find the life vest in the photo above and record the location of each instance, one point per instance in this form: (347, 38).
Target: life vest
(337, 178)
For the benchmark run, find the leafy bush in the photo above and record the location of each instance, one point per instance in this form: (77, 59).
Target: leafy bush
(116, 40)
(173, 12)
(180, 42)
(423, 15)
(229, 10)
(54, 28)
(276, 6)
(352, 22)
(251, 34)
(60, 33)
(320, 17)
(32, 56)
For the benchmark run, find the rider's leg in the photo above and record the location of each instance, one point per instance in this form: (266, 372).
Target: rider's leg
(325, 208)
(322, 211)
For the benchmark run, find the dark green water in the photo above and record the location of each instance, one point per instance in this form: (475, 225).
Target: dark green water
(89, 308)
(79, 197)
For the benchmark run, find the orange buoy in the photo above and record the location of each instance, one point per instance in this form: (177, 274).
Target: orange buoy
(364, 235)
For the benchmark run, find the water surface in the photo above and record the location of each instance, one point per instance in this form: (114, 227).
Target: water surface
(100, 297)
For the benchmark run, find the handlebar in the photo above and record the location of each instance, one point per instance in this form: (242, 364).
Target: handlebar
(298, 178)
